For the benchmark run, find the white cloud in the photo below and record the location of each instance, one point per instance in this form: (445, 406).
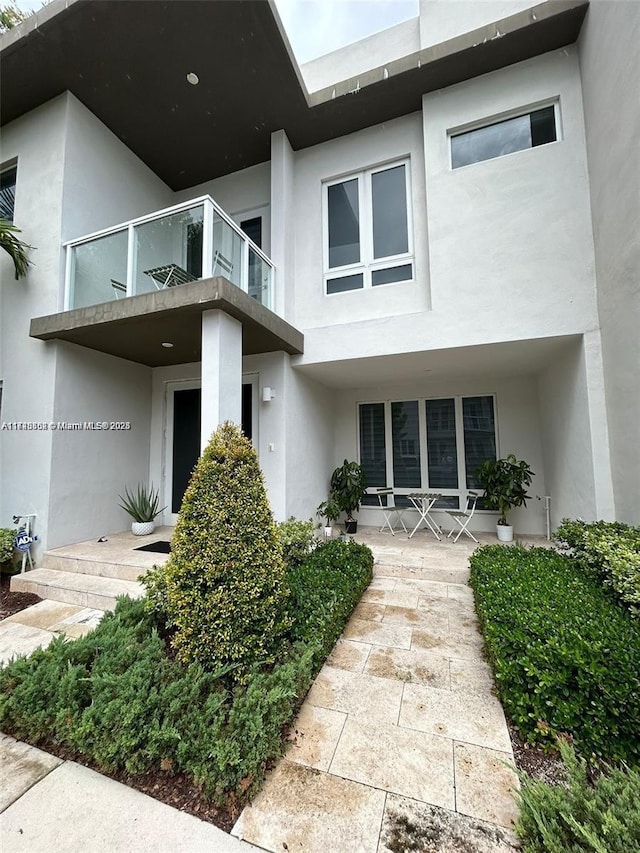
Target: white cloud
(316, 27)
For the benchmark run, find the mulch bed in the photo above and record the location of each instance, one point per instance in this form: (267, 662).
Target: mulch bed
(544, 766)
(13, 602)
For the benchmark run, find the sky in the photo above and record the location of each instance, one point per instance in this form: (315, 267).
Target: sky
(316, 27)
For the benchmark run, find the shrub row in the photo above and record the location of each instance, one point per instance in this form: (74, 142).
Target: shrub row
(581, 817)
(610, 551)
(566, 657)
(118, 697)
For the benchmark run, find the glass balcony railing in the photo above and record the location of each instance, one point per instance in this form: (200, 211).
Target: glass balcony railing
(169, 248)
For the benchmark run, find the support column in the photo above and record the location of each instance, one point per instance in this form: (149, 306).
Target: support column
(221, 372)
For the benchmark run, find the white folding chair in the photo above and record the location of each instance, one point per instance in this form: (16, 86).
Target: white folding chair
(389, 508)
(463, 517)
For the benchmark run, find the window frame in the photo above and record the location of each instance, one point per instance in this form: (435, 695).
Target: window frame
(367, 263)
(11, 166)
(497, 118)
(463, 489)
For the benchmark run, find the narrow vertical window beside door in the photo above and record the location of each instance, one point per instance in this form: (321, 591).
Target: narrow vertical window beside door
(442, 451)
(406, 445)
(479, 426)
(372, 447)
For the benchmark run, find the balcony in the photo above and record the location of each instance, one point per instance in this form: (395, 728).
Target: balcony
(166, 249)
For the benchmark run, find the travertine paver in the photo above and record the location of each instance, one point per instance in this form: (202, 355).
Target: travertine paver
(403, 709)
(303, 811)
(315, 736)
(357, 694)
(17, 639)
(485, 782)
(22, 766)
(414, 764)
(412, 825)
(468, 717)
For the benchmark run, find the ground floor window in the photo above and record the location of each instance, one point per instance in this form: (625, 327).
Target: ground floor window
(432, 444)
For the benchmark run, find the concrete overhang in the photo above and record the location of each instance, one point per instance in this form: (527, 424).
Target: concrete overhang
(127, 61)
(135, 328)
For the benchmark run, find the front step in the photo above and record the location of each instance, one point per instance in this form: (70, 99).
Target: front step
(84, 590)
(87, 566)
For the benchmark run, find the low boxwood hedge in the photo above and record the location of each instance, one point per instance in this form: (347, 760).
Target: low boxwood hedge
(610, 551)
(121, 698)
(566, 656)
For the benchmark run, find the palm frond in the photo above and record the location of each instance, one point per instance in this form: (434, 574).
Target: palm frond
(14, 247)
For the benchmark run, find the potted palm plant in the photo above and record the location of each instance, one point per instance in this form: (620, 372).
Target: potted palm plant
(504, 482)
(142, 507)
(329, 509)
(348, 485)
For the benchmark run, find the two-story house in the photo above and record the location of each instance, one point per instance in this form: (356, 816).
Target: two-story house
(420, 251)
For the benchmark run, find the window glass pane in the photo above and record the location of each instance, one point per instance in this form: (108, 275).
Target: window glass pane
(504, 137)
(389, 199)
(479, 434)
(344, 223)
(442, 457)
(403, 273)
(8, 193)
(372, 444)
(406, 445)
(346, 282)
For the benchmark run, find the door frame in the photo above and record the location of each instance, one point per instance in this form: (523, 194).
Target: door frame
(173, 385)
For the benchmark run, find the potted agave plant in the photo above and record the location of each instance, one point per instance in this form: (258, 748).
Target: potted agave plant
(349, 485)
(504, 482)
(142, 507)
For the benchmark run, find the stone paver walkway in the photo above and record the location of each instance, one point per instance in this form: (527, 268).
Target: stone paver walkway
(401, 728)
(35, 627)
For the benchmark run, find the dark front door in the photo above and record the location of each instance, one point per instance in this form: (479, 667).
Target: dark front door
(186, 436)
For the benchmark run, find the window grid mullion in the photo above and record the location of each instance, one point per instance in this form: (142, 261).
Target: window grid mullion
(424, 449)
(460, 450)
(388, 443)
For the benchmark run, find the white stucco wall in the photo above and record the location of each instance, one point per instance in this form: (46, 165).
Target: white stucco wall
(27, 366)
(444, 19)
(392, 43)
(394, 140)
(238, 193)
(609, 49)
(518, 432)
(566, 437)
(104, 182)
(309, 444)
(90, 468)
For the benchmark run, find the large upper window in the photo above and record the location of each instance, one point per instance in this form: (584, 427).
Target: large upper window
(418, 445)
(7, 192)
(504, 137)
(368, 234)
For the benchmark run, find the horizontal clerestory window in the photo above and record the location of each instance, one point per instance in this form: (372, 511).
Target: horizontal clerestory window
(368, 239)
(528, 130)
(426, 445)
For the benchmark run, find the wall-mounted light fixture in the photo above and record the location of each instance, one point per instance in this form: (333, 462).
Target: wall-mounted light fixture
(268, 394)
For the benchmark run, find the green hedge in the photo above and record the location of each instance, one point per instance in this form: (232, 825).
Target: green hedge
(566, 657)
(610, 551)
(118, 697)
(581, 817)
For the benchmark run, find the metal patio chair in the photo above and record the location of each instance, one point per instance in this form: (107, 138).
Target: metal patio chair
(464, 516)
(118, 288)
(389, 509)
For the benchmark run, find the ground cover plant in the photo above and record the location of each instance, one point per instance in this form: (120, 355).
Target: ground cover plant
(581, 816)
(565, 654)
(610, 552)
(129, 700)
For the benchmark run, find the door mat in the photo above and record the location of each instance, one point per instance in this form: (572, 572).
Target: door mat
(157, 547)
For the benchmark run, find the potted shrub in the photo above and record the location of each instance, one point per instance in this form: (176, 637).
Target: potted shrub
(143, 508)
(329, 509)
(348, 485)
(7, 537)
(504, 482)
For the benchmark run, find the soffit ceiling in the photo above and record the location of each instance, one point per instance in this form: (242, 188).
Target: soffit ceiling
(127, 61)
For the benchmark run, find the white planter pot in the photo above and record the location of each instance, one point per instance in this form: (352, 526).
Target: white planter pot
(328, 532)
(142, 528)
(504, 532)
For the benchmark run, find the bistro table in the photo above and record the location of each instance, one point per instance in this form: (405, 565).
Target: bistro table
(424, 502)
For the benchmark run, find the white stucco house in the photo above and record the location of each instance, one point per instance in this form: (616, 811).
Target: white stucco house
(419, 251)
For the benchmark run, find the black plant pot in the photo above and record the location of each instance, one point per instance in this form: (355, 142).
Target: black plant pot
(351, 526)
